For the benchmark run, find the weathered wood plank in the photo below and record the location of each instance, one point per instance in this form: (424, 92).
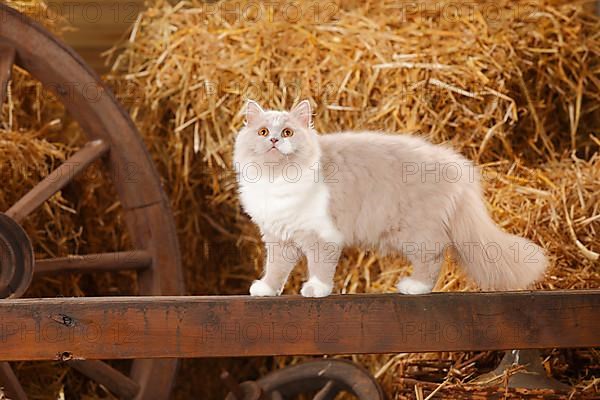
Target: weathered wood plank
(155, 327)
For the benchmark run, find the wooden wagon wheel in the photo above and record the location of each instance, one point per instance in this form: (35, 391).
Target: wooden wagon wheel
(325, 378)
(114, 139)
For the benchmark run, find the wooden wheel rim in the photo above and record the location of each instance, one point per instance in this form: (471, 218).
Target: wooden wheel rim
(145, 206)
(329, 376)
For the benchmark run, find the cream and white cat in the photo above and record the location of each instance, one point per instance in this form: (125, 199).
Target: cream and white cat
(311, 194)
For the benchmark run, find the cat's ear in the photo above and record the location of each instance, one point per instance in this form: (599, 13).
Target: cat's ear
(303, 113)
(253, 111)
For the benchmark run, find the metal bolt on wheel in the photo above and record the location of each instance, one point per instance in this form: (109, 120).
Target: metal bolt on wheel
(114, 139)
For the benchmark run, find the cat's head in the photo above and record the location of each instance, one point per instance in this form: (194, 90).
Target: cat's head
(277, 136)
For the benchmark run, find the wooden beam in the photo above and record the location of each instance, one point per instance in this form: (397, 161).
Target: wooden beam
(220, 326)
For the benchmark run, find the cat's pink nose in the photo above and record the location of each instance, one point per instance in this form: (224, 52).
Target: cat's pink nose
(274, 140)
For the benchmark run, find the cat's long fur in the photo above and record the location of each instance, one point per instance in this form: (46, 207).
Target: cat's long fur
(396, 193)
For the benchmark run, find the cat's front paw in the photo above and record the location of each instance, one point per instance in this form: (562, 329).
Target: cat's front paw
(413, 286)
(315, 288)
(259, 288)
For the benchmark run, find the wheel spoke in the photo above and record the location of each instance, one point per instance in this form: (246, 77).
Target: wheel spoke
(328, 392)
(115, 381)
(10, 383)
(58, 179)
(7, 59)
(121, 261)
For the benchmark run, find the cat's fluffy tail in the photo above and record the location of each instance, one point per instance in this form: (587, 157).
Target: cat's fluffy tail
(494, 259)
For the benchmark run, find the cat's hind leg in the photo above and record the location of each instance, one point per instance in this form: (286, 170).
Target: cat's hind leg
(281, 259)
(426, 258)
(322, 261)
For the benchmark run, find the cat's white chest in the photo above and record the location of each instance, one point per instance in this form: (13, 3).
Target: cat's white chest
(281, 207)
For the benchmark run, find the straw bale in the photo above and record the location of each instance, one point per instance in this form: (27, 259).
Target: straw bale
(518, 85)
(512, 85)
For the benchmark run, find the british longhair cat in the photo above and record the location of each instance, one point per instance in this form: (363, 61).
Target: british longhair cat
(315, 194)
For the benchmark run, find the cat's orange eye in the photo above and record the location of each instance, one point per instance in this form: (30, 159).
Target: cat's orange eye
(263, 132)
(287, 132)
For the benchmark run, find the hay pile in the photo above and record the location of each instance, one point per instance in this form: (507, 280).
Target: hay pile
(513, 85)
(508, 85)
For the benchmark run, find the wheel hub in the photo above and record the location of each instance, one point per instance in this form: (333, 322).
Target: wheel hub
(16, 259)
